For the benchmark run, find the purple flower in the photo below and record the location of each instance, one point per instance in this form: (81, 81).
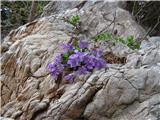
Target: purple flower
(78, 60)
(55, 68)
(74, 56)
(100, 63)
(89, 66)
(82, 70)
(91, 60)
(51, 67)
(67, 47)
(73, 63)
(86, 58)
(60, 67)
(81, 56)
(70, 77)
(95, 62)
(58, 59)
(83, 45)
(73, 60)
(97, 52)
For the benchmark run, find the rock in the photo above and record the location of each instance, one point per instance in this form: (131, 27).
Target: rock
(35, 64)
(56, 7)
(122, 92)
(154, 41)
(2, 118)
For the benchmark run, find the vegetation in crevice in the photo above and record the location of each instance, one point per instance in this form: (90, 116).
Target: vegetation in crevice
(129, 42)
(78, 58)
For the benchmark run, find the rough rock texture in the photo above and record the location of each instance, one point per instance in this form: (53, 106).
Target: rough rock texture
(55, 7)
(3, 118)
(122, 92)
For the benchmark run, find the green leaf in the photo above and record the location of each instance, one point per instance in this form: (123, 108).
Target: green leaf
(66, 57)
(121, 40)
(103, 37)
(77, 48)
(130, 42)
(74, 20)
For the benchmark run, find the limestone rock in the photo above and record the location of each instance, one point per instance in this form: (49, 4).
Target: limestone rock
(122, 92)
(2, 118)
(55, 7)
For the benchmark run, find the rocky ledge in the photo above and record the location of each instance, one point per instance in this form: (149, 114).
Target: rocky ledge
(128, 91)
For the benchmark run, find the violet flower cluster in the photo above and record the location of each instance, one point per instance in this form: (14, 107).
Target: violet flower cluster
(77, 59)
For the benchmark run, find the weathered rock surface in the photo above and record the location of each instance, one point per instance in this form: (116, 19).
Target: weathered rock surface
(55, 7)
(122, 92)
(2, 118)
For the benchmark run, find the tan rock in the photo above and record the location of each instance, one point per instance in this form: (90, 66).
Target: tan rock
(122, 92)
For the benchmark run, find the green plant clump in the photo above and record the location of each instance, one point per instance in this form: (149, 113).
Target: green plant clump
(103, 36)
(74, 20)
(129, 42)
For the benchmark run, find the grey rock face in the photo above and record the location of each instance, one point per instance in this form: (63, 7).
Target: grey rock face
(56, 7)
(2, 118)
(123, 92)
